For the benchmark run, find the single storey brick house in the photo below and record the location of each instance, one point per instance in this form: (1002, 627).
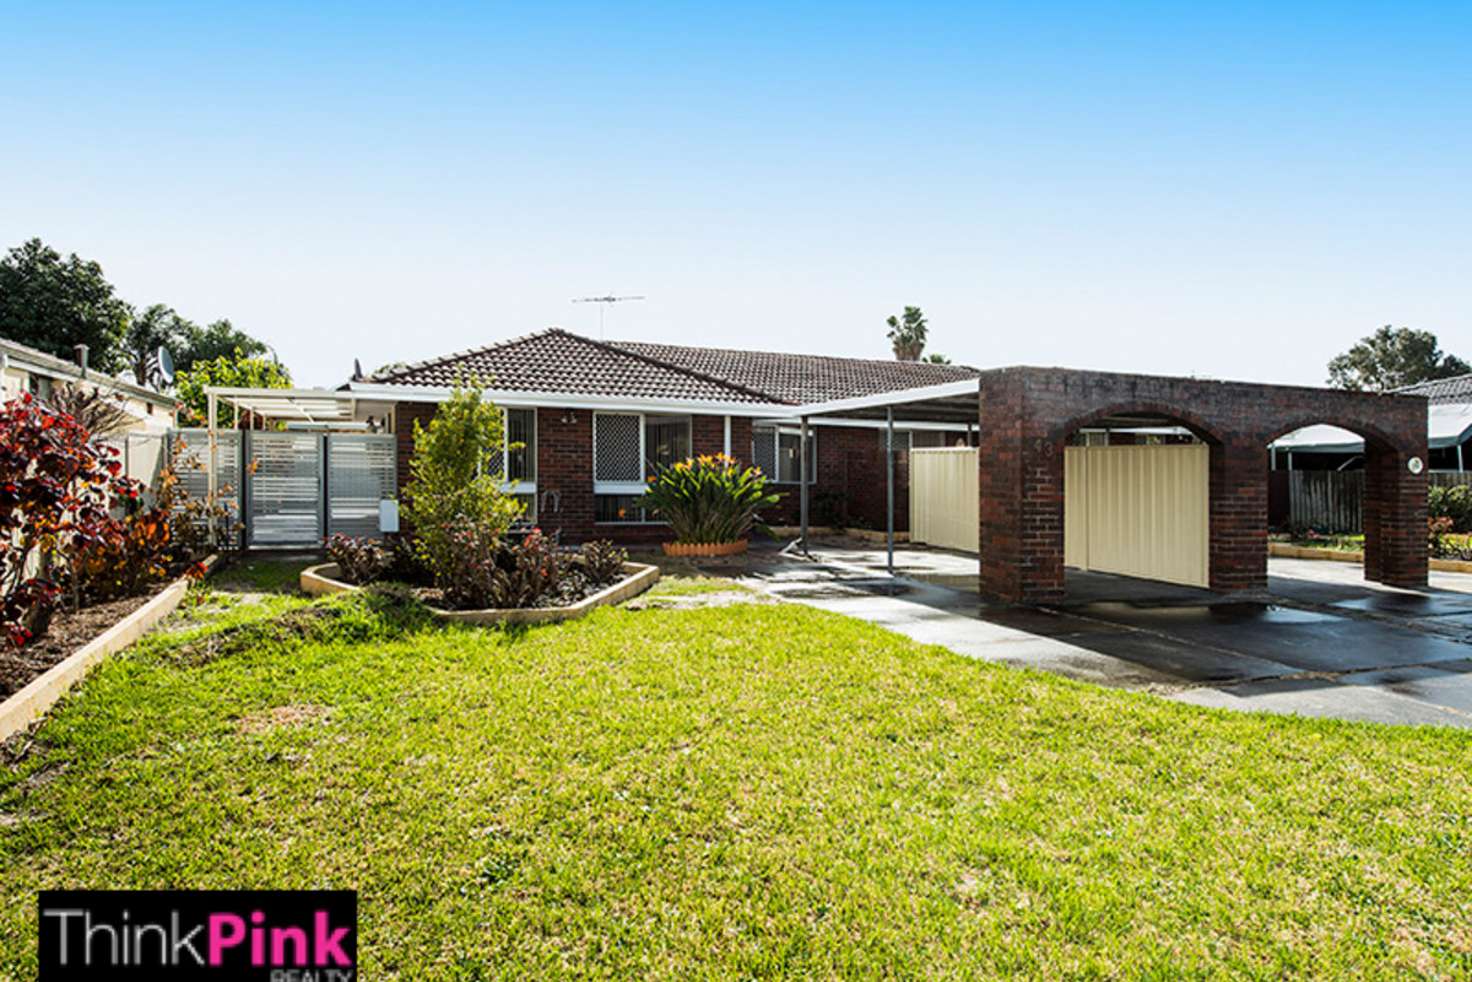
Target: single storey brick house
(593, 418)
(1143, 476)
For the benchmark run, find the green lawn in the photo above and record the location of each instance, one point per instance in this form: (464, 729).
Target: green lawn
(738, 791)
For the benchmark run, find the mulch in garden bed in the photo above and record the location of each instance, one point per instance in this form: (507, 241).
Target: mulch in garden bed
(68, 631)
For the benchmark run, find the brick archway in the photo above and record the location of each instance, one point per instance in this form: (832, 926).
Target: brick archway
(1026, 414)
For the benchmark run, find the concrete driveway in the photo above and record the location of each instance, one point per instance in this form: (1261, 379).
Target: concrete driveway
(1320, 643)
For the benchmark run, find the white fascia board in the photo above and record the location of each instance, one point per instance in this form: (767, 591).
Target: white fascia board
(899, 397)
(862, 424)
(514, 399)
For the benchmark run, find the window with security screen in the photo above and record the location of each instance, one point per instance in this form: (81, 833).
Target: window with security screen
(617, 447)
(764, 450)
(776, 452)
(627, 450)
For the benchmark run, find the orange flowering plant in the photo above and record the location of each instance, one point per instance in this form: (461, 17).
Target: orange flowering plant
(709, 499)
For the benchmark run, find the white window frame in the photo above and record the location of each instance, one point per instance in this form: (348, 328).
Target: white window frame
(777, 451)
(642, 485)
(517, 487)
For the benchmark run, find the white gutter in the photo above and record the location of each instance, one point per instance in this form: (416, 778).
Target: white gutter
(899, 397)
(521, 399)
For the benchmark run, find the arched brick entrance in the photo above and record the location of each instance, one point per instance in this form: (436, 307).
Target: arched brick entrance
(1027, 414)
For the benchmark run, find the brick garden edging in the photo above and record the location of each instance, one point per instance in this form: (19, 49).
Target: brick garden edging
(24, 707)
(638, 577)
(1287, 551)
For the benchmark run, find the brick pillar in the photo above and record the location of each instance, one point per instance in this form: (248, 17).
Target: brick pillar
(1238, 537)
(565, 466)
(1021, 508)
(406, 414)
(741, 439)
(1394, 517)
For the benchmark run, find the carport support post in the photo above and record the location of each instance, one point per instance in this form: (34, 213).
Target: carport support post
(211, 404)
(802, 482)
(889, 488)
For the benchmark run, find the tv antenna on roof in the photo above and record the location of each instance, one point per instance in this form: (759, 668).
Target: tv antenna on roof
(603, 304)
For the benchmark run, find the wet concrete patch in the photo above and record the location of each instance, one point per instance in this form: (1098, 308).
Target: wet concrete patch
(1324, 698)
(1213, 617)
(1180, 661)
(1411, 604)
(1446, 684)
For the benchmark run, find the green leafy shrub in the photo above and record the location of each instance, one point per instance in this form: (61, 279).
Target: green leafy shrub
(1453, 502)
(455, 484)
(359, 560)
(709, 499)
(603, 561)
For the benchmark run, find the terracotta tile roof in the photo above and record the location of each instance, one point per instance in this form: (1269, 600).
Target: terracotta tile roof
(1458, 388)
(803, 378)
(555, 360)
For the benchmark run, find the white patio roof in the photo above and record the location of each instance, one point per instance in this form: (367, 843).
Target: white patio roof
(306, 405)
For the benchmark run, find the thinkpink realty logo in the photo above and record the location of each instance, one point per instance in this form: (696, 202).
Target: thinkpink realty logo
(219, 935)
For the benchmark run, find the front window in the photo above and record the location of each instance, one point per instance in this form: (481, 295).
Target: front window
(775, 450)
(518, 454)
(628, 448)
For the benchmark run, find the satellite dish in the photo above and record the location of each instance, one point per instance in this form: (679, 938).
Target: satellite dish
(164, 366)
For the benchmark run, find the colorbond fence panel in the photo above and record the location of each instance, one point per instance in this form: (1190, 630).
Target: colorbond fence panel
(1138, 511)
(944, 502)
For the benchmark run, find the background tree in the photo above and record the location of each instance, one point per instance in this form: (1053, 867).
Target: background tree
(155, 327)
(907, 334)
(1391, 358)
(220, 339)
(53, 303)
(936, 359)
(236, 369)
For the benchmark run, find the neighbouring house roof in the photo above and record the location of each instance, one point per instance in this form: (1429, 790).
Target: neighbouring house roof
(1458, 388)
(1448, 420)
(558, 361)
(1447, 425)
(37, 362)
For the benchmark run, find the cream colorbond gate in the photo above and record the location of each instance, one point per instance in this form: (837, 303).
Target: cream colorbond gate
(944, 508)
(1138, 511)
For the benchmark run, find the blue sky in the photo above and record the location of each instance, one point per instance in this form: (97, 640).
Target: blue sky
(1238, 192)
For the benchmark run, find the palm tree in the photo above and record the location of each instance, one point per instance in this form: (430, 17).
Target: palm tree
(907, 334)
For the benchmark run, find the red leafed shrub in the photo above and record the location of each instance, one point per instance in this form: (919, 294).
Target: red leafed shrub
(359, 560)
(56, 488)
(492, 572)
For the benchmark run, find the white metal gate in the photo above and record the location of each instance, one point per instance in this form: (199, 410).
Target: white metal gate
(1138, 511)
(284, 503)
(361, 472)
(944, 502)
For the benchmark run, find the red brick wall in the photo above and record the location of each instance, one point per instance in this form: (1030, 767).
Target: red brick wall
(1027, 415)
(565, 468)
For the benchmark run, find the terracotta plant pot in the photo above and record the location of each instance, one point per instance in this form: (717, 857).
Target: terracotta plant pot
(705, 550)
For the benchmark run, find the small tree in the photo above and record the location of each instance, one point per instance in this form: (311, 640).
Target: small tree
(455, 480)
(240, 371)
(907, 334)
(56, 489)
(1391, 358)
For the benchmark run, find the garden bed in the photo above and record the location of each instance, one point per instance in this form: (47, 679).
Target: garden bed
(1288, 550)
(33, 678)
(322, 581)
